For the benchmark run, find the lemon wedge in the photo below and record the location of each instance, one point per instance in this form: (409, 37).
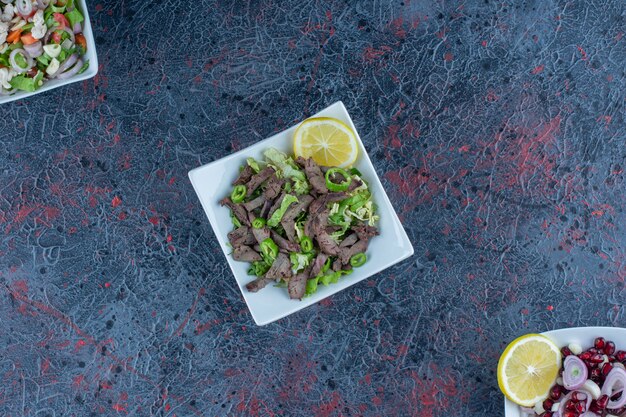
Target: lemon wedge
(329, 141)
(528, 368)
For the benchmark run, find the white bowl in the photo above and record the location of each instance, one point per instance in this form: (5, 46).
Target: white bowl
(584, 336)
(213, 181)
(90, 72)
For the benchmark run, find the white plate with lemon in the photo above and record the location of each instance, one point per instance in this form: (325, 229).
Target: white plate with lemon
(332, 140)
(529, 366)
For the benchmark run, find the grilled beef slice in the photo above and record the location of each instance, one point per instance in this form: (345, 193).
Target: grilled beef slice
(273, 187)
(244, 175)
(246, 254)
(276, 205)
(349, 240)
(281, 268)
(258, 179)
(288, 220)
(261, 234)
(313, 174)
(266, 208)
(365, 232)
(319, 262)
(325, 242)
(241, 236)
(256, 203)
(285, 244)
(238, 210)
(297, 284)
(258, 284)
(347, 253)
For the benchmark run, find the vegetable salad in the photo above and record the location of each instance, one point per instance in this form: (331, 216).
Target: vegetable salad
(39, 40)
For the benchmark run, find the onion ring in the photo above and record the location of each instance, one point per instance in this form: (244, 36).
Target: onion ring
(615, 382)
(574, 373)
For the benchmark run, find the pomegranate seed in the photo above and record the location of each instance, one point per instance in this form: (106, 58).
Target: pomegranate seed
(597, 358)
(565, 351)
(609, 348)
(579, 396)
(580, 407)
(594, 407)
(585, 356)
(555, 392)
(569, 414)
(593, 350)
(570, 405)
(606, 368)
(599, 342)
(595, 375)
(547, 404)
(612, 358)
(546, 414)
(616, 396)
(620, 355)
(602, 401)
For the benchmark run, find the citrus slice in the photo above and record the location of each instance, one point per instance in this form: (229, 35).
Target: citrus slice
(528, 368)
(330, 142)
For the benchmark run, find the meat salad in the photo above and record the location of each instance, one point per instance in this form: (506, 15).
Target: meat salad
(299, 224)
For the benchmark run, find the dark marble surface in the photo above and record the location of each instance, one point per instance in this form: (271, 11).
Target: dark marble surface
(497, 127)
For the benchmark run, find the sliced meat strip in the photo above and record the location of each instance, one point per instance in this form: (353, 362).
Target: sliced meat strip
(288, 220)
(354, 185)
(349, 240)
(258, 179)
(261, 234)
(281, 268)
(308, 226)
(319, 262)
(244, 175)
(284, 243)
(238, 210)
(320, 203)
(266, 208)
(297, 284)
(246, 254)
(276, 205)
(256, 203)
(273, 187)
(337, 265)
(258, 284)
(313, 174)
(364, 231)
(241, 236)
(325, 242)
(358, 247)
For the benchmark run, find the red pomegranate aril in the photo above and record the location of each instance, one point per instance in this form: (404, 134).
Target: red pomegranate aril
(602, 401)
(606, 368)
(569, 414)
(620, 355)
(595, 374)
(597, 358)
(585, 356)
(616, 396)
(612, 358)
(547, 404)
(546, 414)
(570, 405)
(580, 407)
(555, 392)
(609, 348)
(599, 343)
(565, 351)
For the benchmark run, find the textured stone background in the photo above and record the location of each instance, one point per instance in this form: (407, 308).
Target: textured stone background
(497, 127)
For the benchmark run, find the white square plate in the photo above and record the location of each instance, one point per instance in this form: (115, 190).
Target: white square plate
(584, 336)
(90, 72)
(212, 182)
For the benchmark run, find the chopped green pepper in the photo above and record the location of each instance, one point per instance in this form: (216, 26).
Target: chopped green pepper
(341, 186)
(239, 193)
(358, 259)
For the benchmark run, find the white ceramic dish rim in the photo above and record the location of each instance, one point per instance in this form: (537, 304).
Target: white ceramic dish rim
(90, 72)
(397, 235)
(582, 335)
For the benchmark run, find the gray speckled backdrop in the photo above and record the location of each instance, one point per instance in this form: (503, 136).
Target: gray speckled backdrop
(497, 127)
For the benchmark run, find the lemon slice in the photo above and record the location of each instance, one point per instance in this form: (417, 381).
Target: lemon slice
(330, 142)
(528, 368)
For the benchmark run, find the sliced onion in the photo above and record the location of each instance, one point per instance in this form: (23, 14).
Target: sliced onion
(71, 72)
(24, 7)
(34, 49)
(592, 389)
(589, 414)
(615, 382)
(65, 65)
(17, 68)
(43, 4)
(49, 32)
(78, 28)
(574, 373)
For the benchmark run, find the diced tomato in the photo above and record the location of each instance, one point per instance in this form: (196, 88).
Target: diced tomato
(32, 72)
(63, 23)
(28, 39)
(80, 40)
(56, 37)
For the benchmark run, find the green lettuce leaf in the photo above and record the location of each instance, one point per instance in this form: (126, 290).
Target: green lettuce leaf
(280, 212)
(299, 261)
(287, 168)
